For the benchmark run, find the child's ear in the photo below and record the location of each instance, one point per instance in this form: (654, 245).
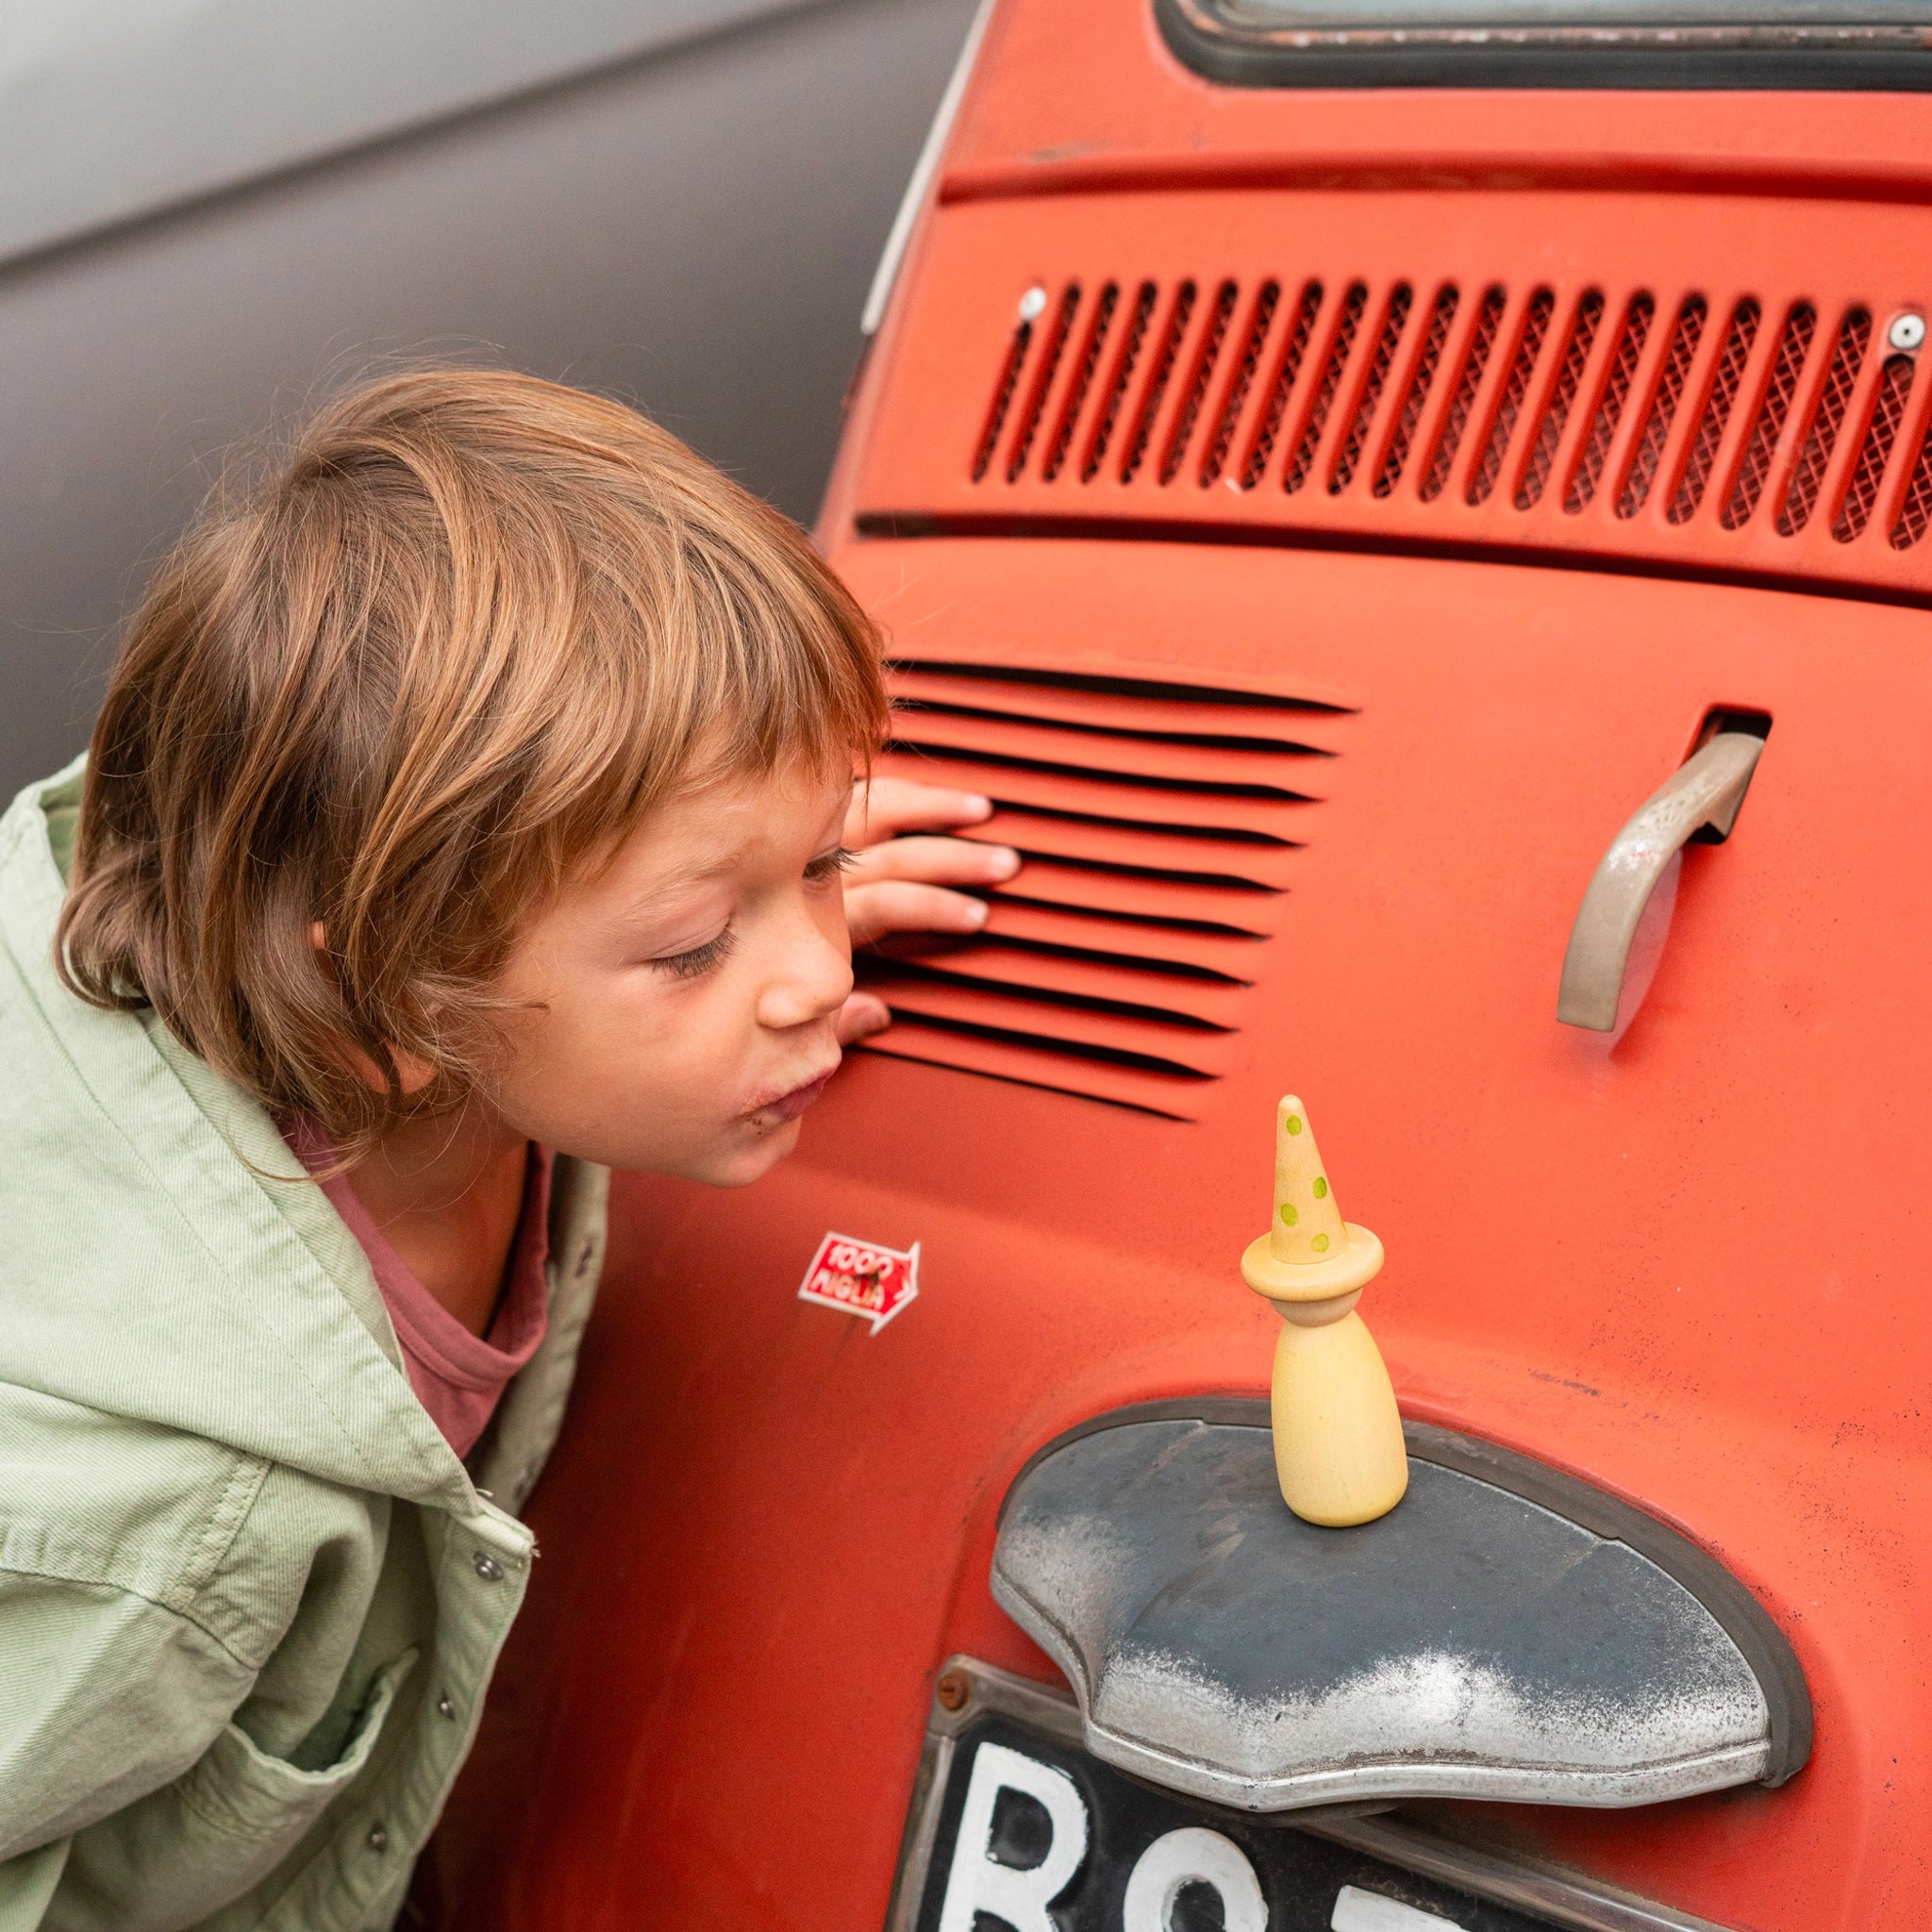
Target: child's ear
(415, 1075)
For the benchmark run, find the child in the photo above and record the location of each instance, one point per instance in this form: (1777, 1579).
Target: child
(464, 818)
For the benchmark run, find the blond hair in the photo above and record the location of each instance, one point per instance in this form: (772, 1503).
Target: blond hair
(464, 636)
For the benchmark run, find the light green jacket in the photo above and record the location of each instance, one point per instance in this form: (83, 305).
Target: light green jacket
(249, 1598)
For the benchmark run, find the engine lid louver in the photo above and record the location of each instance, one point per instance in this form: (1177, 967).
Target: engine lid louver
(1729, 413)
(1158, 822)
(1517, 440)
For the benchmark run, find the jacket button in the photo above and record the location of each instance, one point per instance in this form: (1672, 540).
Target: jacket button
(378, 1837)
(444, 1706)
(487, 1567)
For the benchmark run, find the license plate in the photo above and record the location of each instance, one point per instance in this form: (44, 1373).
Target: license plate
(1014, 1825)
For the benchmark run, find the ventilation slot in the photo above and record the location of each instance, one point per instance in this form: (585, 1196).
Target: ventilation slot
(1394, 318)
(1610, 404)
(1316, 417)
(1827, 419)
(1243, 381)
(1915, 513)
(1874, 453)
(1160, 822)
(1529, 346)
(1042, 381)
(1727, 381)
(1549, 435)
(1117, 383)
(1209, 355)
(1475, 358)
(1421, 379)
(1032, 306)
(1098, 326)
(1292, 351)
(1159, 376)
(1370, 401)
(1647, 457)
(1794, 344)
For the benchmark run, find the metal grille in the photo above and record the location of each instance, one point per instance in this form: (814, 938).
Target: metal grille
(1529, 345)
(1610, 404)
(1125, 365)
(1727, 381)
(1266, 301)
(1422, 379)
(1571, 402)
(1794, 344)
(1289, 367)
(1101, 321)
(1204, 358)
(1874, 453)
(1042, 381)
(1475, 358)
(1827, 419)
(1316, 417)
(1394, 319)
(1157, 378)
(1542, 452)
(1915, 511)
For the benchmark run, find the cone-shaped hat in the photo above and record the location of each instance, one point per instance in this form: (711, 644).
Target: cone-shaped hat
(1308, 1224)
(1308, 1253)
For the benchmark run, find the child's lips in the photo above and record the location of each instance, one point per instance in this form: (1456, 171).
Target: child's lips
(791, 1104)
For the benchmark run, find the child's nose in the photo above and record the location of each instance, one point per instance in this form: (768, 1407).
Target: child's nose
(815, 977)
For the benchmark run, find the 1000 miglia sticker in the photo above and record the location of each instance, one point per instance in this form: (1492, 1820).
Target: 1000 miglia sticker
(862, 1278)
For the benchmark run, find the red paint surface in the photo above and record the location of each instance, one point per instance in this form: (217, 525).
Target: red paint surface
(1688, 1265)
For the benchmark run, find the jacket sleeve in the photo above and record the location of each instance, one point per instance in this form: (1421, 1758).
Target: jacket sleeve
(106, 1695)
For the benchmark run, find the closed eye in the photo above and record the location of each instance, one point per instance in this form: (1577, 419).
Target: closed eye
(700, 959)
(828, 865)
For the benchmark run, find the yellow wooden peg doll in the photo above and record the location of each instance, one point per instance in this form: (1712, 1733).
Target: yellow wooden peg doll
(1338, 1436)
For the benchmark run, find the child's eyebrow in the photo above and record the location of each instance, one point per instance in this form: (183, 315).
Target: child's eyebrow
(649, 898)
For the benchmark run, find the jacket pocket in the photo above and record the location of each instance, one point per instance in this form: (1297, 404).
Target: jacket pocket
(247, 1794)
(200, 1843)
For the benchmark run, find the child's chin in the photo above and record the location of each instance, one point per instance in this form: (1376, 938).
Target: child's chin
(738, 1165)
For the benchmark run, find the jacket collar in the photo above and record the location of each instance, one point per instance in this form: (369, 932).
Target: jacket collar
(165, 1259)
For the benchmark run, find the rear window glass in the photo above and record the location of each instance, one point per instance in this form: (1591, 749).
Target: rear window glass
(1761, 44)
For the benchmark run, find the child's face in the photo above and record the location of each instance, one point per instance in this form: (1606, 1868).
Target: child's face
(681, 996)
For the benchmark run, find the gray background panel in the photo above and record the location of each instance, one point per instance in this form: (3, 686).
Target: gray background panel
(693, 230)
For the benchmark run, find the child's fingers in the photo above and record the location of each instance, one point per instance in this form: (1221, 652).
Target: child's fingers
(888, 806)
(863, 1014)
(935, 861)
(903, 906)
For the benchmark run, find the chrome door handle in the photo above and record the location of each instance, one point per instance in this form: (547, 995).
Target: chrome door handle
(1706, 790)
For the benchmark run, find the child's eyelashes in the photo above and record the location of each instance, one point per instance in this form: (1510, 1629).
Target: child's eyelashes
(700, 959)
(689, 965)
(830, 865)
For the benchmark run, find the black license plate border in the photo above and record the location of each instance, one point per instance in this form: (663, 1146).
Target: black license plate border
(968, 1692)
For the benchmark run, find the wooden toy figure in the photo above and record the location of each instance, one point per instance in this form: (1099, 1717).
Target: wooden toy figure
(1338, 1436)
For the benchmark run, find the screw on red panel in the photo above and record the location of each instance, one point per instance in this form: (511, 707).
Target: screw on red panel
(953, 1691)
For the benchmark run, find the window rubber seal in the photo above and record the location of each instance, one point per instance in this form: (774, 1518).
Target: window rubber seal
(1810, 59)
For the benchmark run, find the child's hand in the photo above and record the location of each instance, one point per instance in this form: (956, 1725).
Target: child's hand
(898, 884)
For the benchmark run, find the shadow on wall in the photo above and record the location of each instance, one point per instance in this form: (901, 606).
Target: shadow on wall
(694, 232)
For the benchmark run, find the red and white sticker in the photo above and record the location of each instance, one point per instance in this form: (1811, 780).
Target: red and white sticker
(862, 1278)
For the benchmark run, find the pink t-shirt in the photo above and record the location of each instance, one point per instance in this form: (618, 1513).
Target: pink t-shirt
(459, 1377)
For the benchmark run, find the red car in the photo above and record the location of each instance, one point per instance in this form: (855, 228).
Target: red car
(1417, 513)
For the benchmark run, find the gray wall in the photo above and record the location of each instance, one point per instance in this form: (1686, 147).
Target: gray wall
(693, 231)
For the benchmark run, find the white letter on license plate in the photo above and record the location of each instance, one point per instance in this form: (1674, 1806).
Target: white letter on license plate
(1192, 1856)
(978, 1882)
(1357, 1910)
